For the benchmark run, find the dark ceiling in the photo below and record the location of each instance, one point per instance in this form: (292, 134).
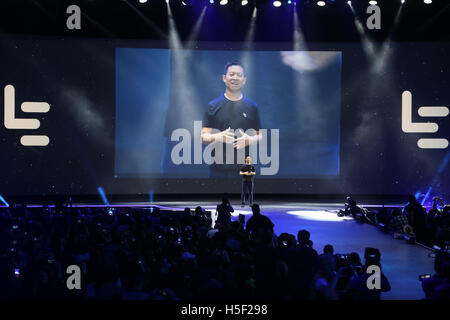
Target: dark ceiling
(131, 19)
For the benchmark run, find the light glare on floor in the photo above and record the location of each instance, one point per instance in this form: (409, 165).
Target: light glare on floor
(318, 215)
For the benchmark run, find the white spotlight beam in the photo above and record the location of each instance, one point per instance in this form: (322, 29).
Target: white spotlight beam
(298, 38)
(187, 92)
(248, 44)
(366, 42)
(382, 57)
(174, 38)
(147, 21)
(196, 30)
(250, 36)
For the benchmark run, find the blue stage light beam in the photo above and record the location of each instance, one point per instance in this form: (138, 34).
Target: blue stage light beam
(417, 194)
(103, 195)
(151, 195)
(426, 195)
(4, 201)
(436, 177)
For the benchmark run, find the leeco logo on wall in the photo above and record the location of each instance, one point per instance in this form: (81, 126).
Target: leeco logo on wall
(11, 122)
(423, 127)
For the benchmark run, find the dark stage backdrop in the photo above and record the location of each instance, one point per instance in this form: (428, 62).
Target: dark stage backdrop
(94, 88)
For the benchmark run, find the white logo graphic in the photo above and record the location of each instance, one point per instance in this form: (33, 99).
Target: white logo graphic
(74, 280)
(214, 153)
(423, 127)
(11, 122)
(74, 20)
(374, 21)
(374, 280)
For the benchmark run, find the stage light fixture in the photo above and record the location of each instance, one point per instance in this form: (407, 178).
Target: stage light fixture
(349, 3)
(183, 3)
(244, 2)
(321, 3)
(276, 4)
(373, 2)
(223, 2)
(427, 1)
(142, 1)
(211, 1)
(402, 1)
(289, 1)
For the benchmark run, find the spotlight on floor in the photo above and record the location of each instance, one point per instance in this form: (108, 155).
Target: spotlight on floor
(318, 215)
(373, 2)
(321, 3)
(244, 2)
(223, 2)
(427, 1)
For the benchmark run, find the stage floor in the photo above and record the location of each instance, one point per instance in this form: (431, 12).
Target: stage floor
(402, 262)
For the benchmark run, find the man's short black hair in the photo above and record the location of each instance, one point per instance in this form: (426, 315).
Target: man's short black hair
(233, 63)
(255, 209)
(303, 236)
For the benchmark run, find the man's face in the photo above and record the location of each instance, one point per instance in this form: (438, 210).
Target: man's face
(235, 78)
(248, 160)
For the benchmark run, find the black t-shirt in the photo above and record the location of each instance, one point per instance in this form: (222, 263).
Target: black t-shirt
(248, 168)
(222, 114)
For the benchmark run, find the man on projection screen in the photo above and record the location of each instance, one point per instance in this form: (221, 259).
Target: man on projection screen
(228, 120)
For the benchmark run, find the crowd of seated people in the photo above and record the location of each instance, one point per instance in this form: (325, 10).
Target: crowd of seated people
(161, 255)
(431, 228)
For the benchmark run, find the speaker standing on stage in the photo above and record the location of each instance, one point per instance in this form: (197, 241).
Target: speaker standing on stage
(247, 172)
